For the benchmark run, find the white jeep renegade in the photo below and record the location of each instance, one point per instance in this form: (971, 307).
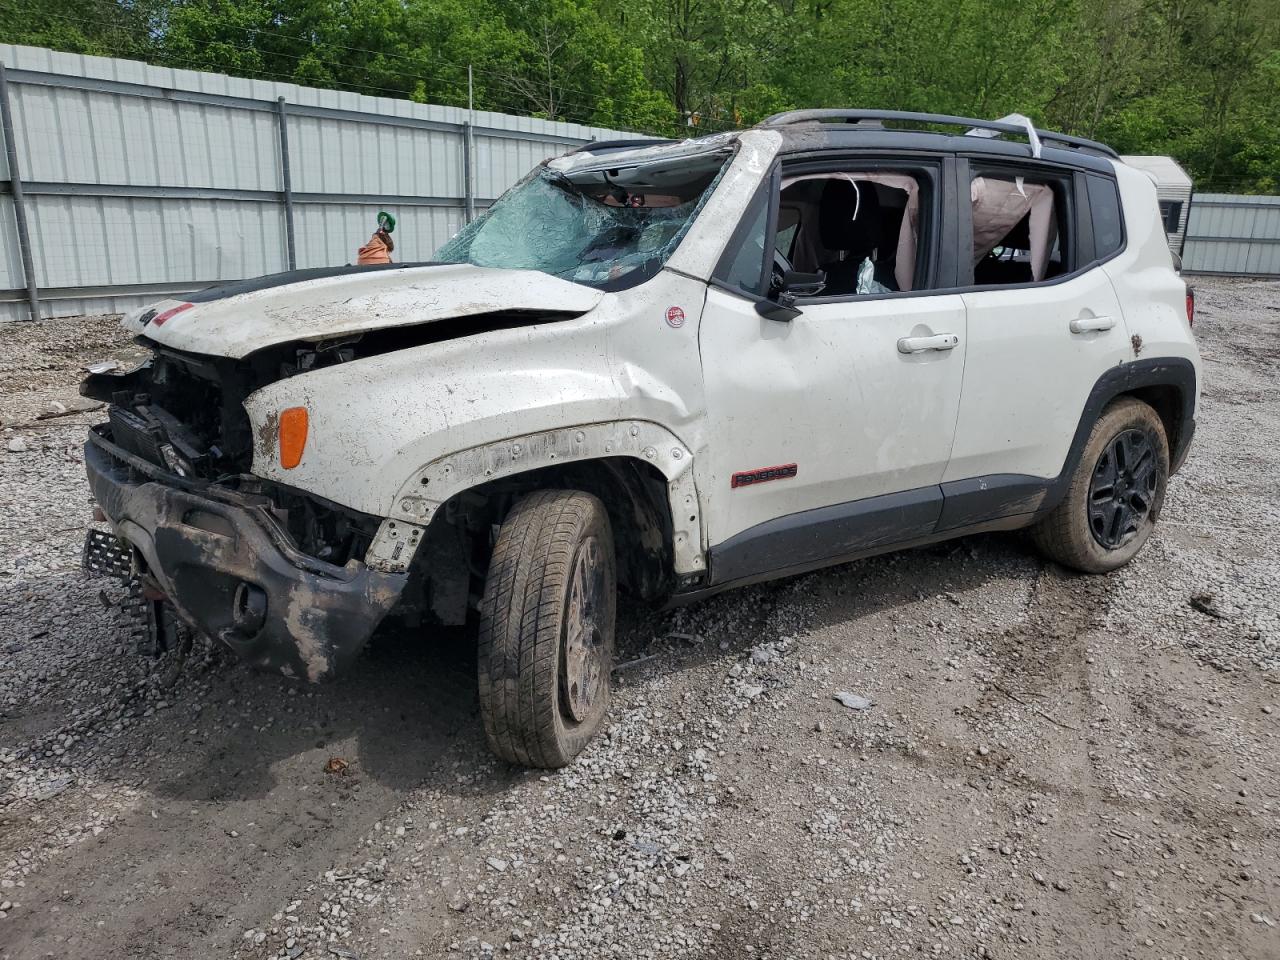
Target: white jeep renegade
(666, 367)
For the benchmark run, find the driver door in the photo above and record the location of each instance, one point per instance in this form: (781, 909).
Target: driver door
(829, 432)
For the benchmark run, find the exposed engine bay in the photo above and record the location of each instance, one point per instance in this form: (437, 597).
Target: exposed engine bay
(185, 411)
(184, 414)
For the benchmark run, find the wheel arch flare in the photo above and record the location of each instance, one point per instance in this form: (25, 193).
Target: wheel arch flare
(422, 495)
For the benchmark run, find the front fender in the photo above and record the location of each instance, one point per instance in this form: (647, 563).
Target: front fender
(377, 420)
(427, 489)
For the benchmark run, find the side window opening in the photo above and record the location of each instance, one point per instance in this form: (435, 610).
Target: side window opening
(1020, 229)
(743, 265)
(784, 242)
(860, 228)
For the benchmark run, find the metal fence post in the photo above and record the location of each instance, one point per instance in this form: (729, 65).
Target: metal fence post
(286, 182)
(19, 207)
(468, 177)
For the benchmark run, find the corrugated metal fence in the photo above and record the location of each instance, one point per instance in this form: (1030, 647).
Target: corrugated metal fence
(140, 181)
(1233, 235)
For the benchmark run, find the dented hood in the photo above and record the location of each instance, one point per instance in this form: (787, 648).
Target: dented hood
(239, 318)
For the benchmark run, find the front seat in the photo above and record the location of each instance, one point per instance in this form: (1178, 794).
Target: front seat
(854, 237)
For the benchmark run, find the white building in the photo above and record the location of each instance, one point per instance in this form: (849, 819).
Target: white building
(1173, 188)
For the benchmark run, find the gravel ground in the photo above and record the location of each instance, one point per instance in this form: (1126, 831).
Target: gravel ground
(1051, 766)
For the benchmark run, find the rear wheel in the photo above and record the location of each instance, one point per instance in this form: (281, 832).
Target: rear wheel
(1115, 495)
(547, 629)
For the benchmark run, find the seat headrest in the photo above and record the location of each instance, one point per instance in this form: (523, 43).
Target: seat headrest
(837, 225)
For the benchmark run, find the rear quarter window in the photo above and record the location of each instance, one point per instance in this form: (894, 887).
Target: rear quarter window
(1104, 208)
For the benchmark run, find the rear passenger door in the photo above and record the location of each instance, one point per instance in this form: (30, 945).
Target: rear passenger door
(1044, 323)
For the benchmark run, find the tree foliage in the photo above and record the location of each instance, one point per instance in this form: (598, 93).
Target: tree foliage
(1197, 79)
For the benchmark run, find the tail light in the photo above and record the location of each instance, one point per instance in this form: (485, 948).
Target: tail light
(293, 436)
(1191, 306)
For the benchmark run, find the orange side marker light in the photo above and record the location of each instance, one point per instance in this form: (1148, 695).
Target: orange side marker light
(293, 436)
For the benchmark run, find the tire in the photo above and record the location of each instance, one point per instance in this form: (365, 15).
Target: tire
(1111, 505)
(547, 629)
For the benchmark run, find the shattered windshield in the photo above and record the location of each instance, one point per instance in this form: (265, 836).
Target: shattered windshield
(603, 228)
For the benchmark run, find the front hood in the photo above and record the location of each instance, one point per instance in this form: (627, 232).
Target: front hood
(238, 319)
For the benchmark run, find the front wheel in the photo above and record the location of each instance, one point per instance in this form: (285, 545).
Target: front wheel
(1115, 495)
(547, 629)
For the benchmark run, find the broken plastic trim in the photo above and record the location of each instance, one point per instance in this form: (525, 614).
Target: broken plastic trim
(261, 506)
(1033, 137)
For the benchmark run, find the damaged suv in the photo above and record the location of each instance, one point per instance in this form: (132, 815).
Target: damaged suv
(666, 368)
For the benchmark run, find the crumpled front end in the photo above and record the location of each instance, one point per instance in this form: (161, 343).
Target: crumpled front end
(231, 569)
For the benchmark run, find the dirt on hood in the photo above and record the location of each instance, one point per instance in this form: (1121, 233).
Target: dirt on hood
(239, 319)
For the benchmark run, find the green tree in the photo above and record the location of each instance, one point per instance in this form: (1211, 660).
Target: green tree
(97, 27)
(1197, 79)
(225, 36)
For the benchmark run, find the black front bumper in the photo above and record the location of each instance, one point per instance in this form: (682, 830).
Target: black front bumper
(210, 549)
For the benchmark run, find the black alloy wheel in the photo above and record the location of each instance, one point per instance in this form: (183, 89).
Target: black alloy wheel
(1123, 488)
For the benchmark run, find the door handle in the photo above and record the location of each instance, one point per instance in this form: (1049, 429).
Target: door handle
(940, 341)
(1087, 324)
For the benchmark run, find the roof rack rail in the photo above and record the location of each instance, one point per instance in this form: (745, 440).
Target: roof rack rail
(609, 146)
(996, 126)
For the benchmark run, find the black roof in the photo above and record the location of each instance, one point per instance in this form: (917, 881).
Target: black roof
(987, 129)
(818, 130)
(612, 146)
(806, 131)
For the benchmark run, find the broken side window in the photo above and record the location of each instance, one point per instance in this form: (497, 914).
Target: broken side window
(861, 229)
(743, 267)
(1018, 229)
(605, 228)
